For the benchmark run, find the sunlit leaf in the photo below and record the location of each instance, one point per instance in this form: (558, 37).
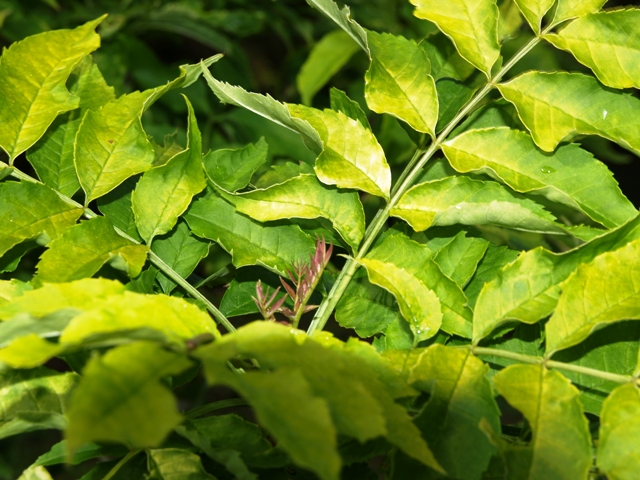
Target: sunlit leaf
(29, 351)
(83, 249)
(33, 74)
(164, 193)
(471, 24)
(399, 83)
(120, 397)
(35, 473)
(232, 169)
(10, 289)
(552, 107)
(534, 11)
(351, 155)
(570, 176)
(342, 17)
(352, 109)
(576, 8)
(175, 463)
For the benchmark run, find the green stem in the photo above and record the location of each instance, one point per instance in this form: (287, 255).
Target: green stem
(120, 464)
(215, 406)
(568, 367)
(153, 257)
(405, 182)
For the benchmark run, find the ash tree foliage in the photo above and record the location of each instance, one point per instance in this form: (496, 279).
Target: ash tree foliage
(494, 292)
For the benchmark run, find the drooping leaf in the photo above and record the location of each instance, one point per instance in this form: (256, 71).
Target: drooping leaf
(399, 83)
(552, 107)
(116, 206)
(606, 43)
(462, 200)
(176, 463)
(570, 176)
(120, 397)
(164, 193)
(342, 17)
(446, 62)
(175, 318)
(33, 400)
(266, 107)
(351, 155)
(596, 294)
(461, 396)
(471, 24)
(528, 289)
(327, 58)
(576, 8)
(32, 210)
(79, 295)
(558, 449)
(181, 251)
(232, 169)
(33, 74)
(305, 197)
(618, 455)
(352, 109)
(52, 156)
(250, 243)
(83, 249)
(459, 258)
(534, 11)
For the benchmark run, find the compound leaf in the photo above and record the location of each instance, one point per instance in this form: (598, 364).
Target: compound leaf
(399, 82)
(553, 108)
(471, 24)
(164, 193)
(570, 176)
(83, 249)
(33, 74)
(232, 169)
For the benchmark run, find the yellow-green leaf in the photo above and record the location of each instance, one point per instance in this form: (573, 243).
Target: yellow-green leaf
(33, 73)
(29, 351)
(164, 193)
(619, 443)
(567, 9)
(305, 197)
(83, 249)
(534, 11)
(471, 24)
(351, 155)
(553, 108)
(35, 473)
(232, 169)
(399, 82)
(607, 43)
(175, 464)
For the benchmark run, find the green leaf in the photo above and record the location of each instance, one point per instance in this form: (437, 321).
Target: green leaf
(177, 319)
(471, 24)
(58, 453)
(618, 456)
(576, 8)
(366, 307)
(266, 107)
(570, 176)
(33, 400)
(352, 109)
(558, 449)
(605, 42)
(534, 11)
(552, 107)
(462, 200)
(250, 243)
(459, 258)
(175, 464)
(35, 473)
(305, 197)
(399, 83)
(342, 17)
(164, 193)
(52, 156)
(33, 74)
(111, 144)
(79, 295)
(528, 289)
(181, 251)
(281, 173)
(120, 398)
(83, 249)
(238, 297)
(596, 294)
(461, 396)
(116, 206)
(10, 289)
(327, 58)
(446, 62)
(32, 210)
(351, 156)
(416, 261)
(452, 96)
(232, 169)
